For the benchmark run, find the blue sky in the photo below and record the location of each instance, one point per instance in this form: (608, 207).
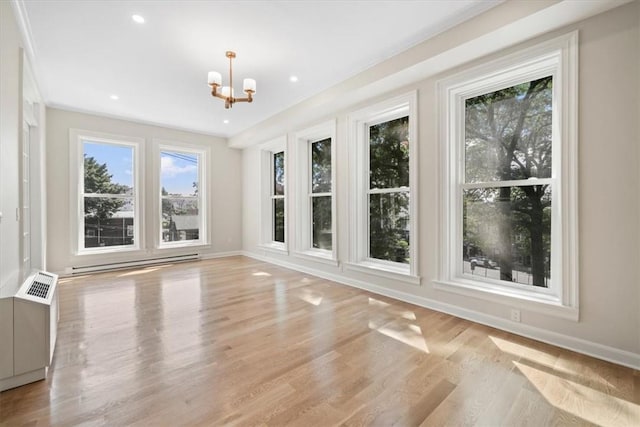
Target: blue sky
(178, 170)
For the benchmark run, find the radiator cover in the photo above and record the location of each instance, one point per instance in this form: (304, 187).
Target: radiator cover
(35, 325)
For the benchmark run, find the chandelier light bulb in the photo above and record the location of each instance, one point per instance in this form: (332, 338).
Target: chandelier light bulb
(249, 85)
(215, 78)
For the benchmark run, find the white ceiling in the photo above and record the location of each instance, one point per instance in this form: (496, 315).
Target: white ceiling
(86, 51)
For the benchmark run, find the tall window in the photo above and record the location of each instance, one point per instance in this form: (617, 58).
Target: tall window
(182, 194)
(388, 191)
(274, 205)
(508, 187)
(509, 212)
(320, 195)
(315, 209)
(384, 188)
(277, 197)
(107, 202)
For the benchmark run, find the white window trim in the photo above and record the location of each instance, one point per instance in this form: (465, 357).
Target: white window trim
(267, 150)
(557, 57)
(203, 192)
(76, 180)
(303, 221)
(393, 108)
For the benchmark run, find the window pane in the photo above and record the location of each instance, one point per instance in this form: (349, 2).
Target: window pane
(108, 169)
(389, 154)
(389, 226)
(278, 220)
(106, 221)
(180, 220)
(278, 173)
(321, 166)
(507, 233)
(179, 173)
(321, 211)
(508, 133)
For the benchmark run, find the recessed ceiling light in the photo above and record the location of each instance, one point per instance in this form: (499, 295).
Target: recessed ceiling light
(293, 79)
(114, 97)
(225, 121)
(137, 18)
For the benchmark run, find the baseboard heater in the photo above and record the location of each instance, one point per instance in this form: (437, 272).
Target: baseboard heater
(129, 264)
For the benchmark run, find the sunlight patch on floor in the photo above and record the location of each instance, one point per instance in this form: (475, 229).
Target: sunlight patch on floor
(525, 352)
(542, 358)
(261, 274)
(138, 272)
(310, 296)
(410, 335)
(582, 401)
(388, 308)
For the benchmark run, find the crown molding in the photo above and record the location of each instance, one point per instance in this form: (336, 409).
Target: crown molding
(22, 19)
(69, 109)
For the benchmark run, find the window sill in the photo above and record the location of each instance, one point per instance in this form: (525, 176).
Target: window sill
(529, 301)
(178, 245)
(323, 256)
(275, 247)
(107, 250)
(382, 270)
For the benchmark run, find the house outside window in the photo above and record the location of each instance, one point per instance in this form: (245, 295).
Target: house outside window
(509, 218)
(105, 192)
(183, 196)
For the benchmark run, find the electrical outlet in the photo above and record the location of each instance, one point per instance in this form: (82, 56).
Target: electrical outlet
(515, 315)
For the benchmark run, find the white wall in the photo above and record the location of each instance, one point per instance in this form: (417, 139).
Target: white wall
(10, 130)
(225, 188)
(609, 195)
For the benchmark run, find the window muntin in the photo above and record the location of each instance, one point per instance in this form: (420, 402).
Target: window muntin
(320, 195)
(277, 197)
(507, 189)
(107, 195)
(388, 190)
(181, 197)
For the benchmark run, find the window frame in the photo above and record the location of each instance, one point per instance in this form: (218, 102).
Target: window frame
(267, 151)
(556, 58)
(202, 197)
(359, 123)
(77, 138)
(304, 194)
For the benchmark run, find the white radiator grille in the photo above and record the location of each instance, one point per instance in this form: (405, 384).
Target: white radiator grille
(41, 285)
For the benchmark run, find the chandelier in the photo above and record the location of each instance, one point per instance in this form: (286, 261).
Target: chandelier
(226, 92)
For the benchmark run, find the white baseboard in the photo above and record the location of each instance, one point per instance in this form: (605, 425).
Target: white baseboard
(600, 351)
(69, 272)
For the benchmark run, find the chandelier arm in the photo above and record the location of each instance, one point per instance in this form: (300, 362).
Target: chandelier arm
(249, 98)
(218, 95)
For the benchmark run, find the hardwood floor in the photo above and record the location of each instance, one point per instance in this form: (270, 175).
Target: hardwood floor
(240, 342)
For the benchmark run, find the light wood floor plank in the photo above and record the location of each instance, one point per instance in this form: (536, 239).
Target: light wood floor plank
(240, 342)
